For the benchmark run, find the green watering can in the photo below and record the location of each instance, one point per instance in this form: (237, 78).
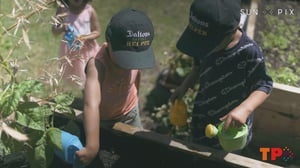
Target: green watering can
(234, 138)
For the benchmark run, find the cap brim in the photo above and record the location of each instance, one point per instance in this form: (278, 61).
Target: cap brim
(135, 59)
(195, 45)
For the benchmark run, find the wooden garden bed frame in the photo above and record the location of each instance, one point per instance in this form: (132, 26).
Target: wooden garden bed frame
(277, 121)
(276, 124)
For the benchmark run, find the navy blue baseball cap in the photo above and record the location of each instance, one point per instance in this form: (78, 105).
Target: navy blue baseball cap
(209, 22)
(130, 33)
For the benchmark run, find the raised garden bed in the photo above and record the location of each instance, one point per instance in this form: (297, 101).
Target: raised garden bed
(276, 122)
(277, 32)
(135, 148)
(274, 25)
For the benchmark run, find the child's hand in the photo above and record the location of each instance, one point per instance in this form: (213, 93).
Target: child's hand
(86, 156)
(177, 94)
(61, 27)
(58, 20)
(235, 118)
(78, 43)
(80, 38)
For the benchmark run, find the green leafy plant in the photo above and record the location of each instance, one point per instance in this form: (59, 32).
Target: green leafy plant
(28, 106)
(179, 66)
(279, 42)
(162, 116)
(29, 120)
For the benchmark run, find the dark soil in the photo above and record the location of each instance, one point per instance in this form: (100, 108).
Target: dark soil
(16, 160)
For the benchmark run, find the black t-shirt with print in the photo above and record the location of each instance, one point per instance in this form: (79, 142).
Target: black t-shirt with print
(227, 78)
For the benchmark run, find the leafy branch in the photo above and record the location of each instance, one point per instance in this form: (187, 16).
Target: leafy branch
(27, 110)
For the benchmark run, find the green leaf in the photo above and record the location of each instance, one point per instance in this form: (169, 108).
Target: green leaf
(30, 121)
(65, 109)
(17, 91)
(64, 99)
(33, 115)
(34, 136)
(54, 138)
(30, 86)
(37, 157)
(10, 102)
(27, 105)
(49, 155)
(11, 144)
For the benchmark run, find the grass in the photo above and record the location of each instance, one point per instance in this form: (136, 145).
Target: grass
(169, 18)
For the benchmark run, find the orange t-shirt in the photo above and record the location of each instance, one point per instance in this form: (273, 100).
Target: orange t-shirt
(118, 90)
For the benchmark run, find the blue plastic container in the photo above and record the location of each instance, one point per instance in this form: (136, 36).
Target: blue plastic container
(70, 37)
(70, 144)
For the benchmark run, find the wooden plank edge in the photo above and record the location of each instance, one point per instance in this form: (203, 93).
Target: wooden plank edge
(286, 88)
(251, 20)
(208, 153)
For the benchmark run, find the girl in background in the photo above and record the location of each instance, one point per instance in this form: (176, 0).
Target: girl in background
(79, 23)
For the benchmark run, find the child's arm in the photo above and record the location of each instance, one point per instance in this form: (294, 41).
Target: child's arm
(260, 85)
(188, 82)
(95, 28)
(138, 81)
(239, 115)
(92, 99)
(58, 26)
